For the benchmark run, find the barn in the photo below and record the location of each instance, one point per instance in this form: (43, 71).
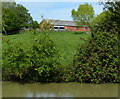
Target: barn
(62, 25)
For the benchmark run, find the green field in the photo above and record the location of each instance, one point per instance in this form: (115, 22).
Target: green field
(66, 42)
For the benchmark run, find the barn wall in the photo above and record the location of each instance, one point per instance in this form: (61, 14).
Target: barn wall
(70, 27)
(73, 28)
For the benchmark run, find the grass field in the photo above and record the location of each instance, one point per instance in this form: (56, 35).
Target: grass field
(66, 42)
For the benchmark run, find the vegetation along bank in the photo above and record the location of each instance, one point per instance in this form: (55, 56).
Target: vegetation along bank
(42, 57)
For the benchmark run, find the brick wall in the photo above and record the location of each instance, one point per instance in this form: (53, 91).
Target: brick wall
(73, 28)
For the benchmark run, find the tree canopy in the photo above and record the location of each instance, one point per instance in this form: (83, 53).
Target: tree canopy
(35, 25)
(15, 17)
(109, 19)
(84, 14)
(46, 25)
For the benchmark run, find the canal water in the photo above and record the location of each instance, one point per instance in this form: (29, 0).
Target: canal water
(13, 89)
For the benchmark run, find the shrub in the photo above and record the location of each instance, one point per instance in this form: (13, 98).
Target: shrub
(15, 61)
(80, 32)
(44, 58)
(39, 63)
(97, 60)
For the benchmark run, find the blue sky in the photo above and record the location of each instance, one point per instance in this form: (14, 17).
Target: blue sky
(56, 10)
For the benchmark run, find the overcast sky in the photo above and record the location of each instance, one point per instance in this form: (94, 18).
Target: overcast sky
(56, 10)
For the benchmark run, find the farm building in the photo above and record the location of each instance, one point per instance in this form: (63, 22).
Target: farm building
(61, 25)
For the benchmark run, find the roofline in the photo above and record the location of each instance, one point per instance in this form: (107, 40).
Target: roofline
(70, 25)
(66, 25)
(59, 20)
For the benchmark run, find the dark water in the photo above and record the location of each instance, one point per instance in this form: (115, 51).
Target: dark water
(12, 89)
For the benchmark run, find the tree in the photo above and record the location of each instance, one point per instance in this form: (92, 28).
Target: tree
(8, 16)
(99, 18)
(35, 26)
(97, 61)
(15, 17)
(46, 25)
(100, 22)
(114, 8)
(83, 15)
(109, 19)
(25, 19)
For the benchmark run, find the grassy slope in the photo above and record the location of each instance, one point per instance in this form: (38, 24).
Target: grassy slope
(66, 42)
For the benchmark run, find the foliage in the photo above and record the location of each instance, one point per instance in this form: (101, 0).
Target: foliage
(98, 60)
(16, 62)
(80, 32)
(63, 39)
(46, 26)
(15, 17)
(39, 63)
(98, 19)
(35, 26)
(109, 19)
(83, 15)
(44, 57)
(103, 22)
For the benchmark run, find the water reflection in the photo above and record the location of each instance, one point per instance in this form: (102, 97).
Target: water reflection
(12, 89)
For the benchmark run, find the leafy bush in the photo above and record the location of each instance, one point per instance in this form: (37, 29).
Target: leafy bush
(80, 32)
(97, 60)
(44, 58)
(39, 63)
(15, 61)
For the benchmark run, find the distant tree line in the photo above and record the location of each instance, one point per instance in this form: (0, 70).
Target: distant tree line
(15, 17)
